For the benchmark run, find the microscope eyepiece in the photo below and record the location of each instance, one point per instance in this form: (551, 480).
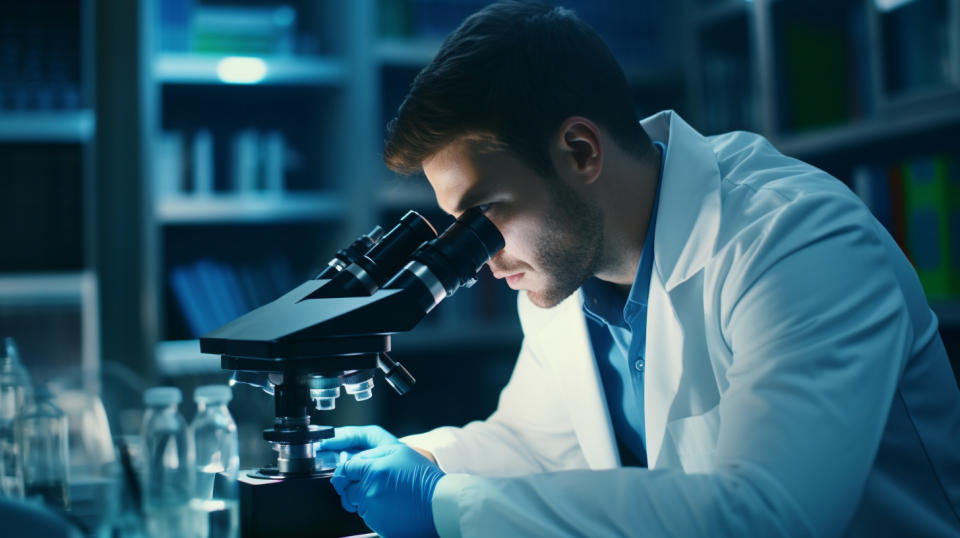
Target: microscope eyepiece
(443, 265)
(350, 254)
(371, 271)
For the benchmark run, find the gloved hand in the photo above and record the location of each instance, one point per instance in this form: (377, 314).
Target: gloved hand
(357, 439)
(391, 487)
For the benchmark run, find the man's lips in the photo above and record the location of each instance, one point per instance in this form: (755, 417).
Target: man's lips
(513, 279)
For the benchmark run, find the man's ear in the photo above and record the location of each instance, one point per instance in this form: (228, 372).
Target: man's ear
(576, 149)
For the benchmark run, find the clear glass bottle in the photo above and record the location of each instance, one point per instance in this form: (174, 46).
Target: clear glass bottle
(214, 505)
(43, 451)
(167, 465)
(15, 393)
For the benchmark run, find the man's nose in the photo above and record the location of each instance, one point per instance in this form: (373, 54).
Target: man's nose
(495, 260)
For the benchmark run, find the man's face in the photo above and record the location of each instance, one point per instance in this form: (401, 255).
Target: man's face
(553, 237)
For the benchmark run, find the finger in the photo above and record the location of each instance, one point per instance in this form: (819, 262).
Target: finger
(355, 467)
(377, 452)
(345, 503)
(354, 494)
(351, 438)
(339, 483)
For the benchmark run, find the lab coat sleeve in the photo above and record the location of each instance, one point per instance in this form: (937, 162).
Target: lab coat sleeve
(528, 433)
(818, 334)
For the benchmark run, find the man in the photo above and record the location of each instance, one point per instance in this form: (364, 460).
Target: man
(718, 339)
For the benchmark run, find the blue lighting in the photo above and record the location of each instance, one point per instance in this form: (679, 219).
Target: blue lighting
(241, 70)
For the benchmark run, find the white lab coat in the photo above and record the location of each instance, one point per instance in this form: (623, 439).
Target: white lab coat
(795, 381)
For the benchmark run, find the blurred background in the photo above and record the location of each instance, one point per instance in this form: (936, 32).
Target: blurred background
(168, 165)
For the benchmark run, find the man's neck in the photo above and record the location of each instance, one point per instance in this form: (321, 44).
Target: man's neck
(627, 200)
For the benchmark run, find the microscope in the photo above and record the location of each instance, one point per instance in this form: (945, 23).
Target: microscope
(330, 335)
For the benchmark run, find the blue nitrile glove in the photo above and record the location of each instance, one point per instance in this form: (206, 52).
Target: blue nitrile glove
(357, 439)
(391, 487)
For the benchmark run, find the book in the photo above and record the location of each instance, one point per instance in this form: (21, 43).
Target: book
(815, 79)
(245, 155)
(928, 233)
(192, 299)
(168, 164)
(202, 162)
(273, 150)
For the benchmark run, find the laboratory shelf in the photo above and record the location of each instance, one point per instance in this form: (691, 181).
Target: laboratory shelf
(47, 126)
(249, 208)
(31, 289)
(219, 69)
(403, 194)
(406, 52)
(183, 357)
(862, 133)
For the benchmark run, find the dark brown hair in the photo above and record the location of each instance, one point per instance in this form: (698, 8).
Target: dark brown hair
(514, 71)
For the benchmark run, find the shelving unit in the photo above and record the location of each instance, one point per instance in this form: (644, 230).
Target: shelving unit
(48, 281)
(68, 126)
(173, 68)
(868, 91)
(246, 209)
(31, 303)
(205, 105)
(414, 53)
(860, 135)
(328, 96)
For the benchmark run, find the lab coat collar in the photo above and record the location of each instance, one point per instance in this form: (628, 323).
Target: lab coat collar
(560, 333)
(689, 214)
(686, 230)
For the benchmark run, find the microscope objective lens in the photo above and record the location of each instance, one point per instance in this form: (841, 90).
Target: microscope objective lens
(326, 404)
(362, 390)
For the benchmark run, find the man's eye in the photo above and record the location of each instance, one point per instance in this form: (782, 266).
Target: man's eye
(486, 207)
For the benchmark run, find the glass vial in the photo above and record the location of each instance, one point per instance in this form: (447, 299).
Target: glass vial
(167, 462)
(43, 451)
(215, 505)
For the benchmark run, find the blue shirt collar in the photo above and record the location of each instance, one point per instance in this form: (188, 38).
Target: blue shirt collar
(602, 301)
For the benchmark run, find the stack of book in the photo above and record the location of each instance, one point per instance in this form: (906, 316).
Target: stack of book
(188, 26)
(918, 201)
(39, 63)
(211, 293)
(258, 162)
(637, 33)
(917, 47)
(825, 75)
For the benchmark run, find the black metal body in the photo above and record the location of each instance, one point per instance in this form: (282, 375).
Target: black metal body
(293, 507)
(328, 333)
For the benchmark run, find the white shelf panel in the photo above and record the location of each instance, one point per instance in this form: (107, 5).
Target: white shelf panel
(406, 52)
(865, 132)
(183, 357)
(407, 195)
(47, 126)
(46, 288)
(210, 69)
(245, 209)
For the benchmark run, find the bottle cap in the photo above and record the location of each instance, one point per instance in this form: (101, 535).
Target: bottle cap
(10, 348)
(162, 396)
(214, 394)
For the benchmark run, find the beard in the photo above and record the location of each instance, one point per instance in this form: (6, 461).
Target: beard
(570, 246)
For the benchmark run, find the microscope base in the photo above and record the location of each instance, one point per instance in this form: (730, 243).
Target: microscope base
(293, 507)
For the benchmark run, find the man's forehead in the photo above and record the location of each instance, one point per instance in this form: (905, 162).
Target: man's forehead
(458, 173)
